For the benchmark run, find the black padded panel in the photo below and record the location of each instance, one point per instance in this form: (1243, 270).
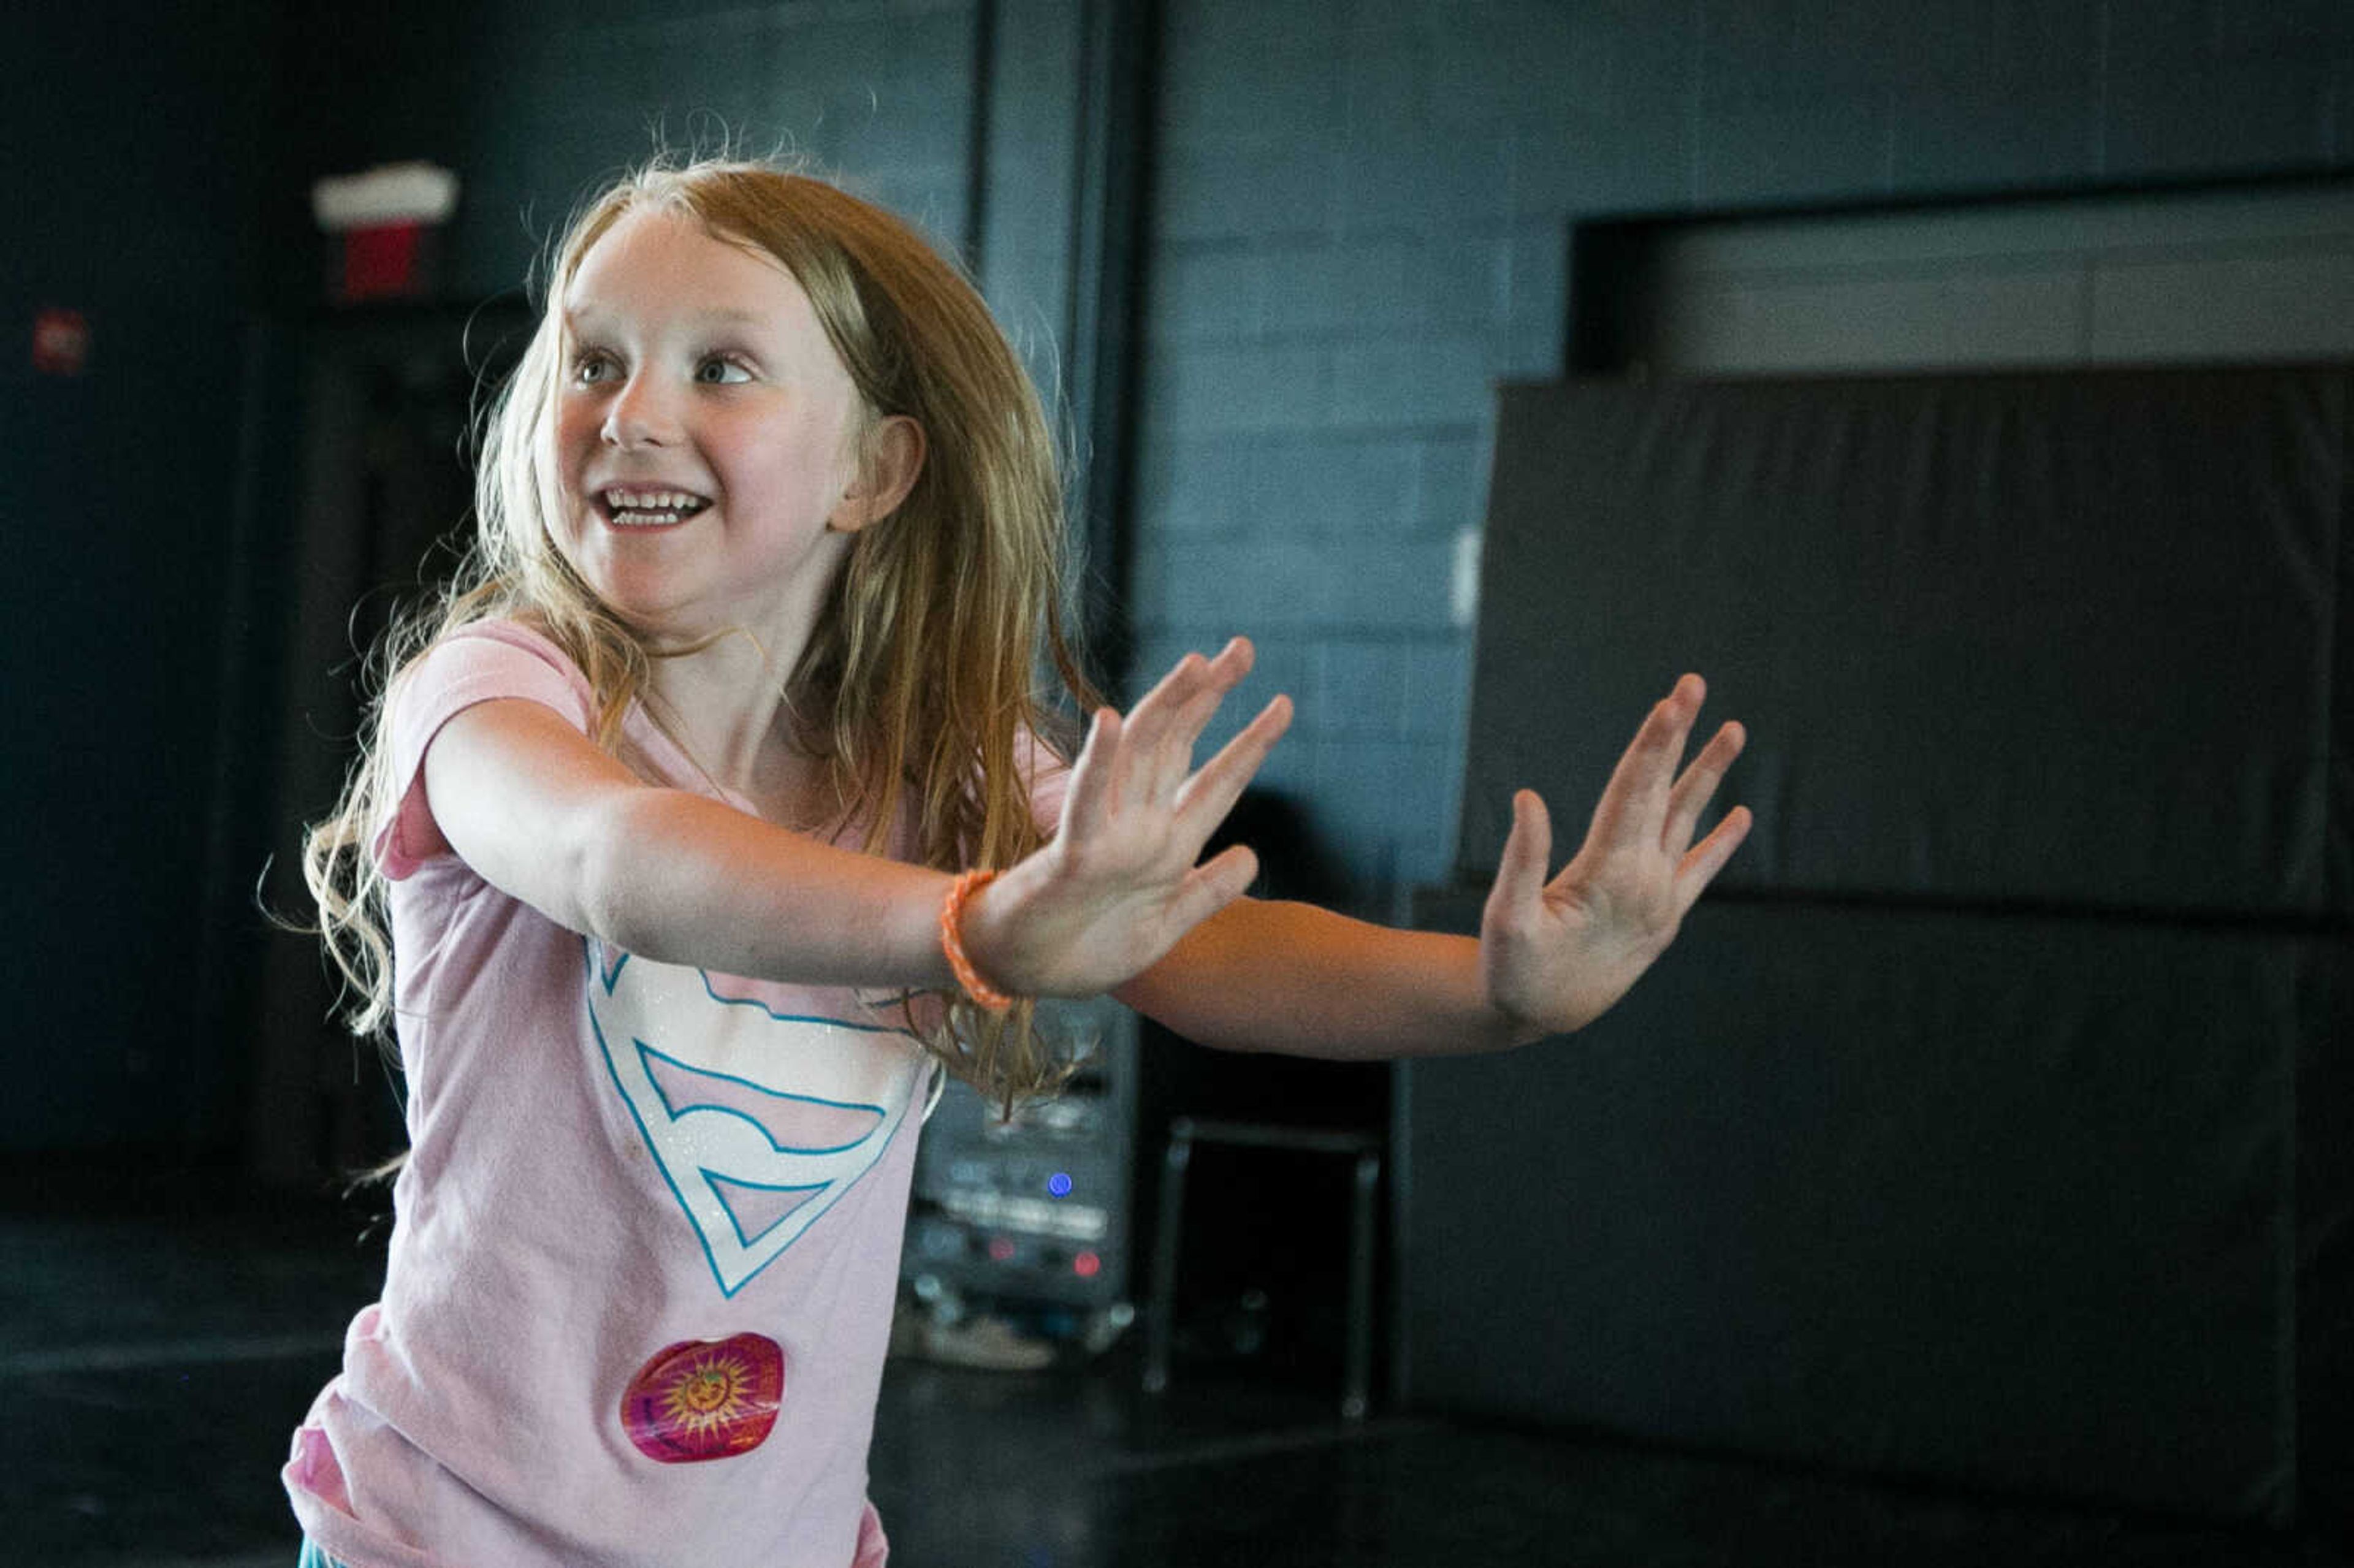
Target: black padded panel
(1996, 1201)
(2053, 638)
(2325, 1245)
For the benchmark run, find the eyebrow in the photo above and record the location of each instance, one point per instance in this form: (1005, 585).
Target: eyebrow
(715, 315)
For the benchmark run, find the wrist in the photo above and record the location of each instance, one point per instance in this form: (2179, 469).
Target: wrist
(968, 941)
(1510, 1017)
(1506, 1029)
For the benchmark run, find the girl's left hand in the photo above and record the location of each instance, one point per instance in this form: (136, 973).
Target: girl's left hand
(1553, 955)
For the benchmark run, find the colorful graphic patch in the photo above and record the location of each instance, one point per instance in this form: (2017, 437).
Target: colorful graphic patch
(704, 1399)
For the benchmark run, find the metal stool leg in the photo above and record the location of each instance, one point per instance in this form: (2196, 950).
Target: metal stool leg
(1356, 1391)
(1160, 1330)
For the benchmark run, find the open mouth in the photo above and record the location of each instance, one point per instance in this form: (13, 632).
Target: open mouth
(648, 508)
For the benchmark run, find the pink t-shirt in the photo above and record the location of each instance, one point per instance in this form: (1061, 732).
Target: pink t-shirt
(641, 1278)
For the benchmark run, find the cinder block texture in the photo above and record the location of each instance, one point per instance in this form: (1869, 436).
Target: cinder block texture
(1361, 212)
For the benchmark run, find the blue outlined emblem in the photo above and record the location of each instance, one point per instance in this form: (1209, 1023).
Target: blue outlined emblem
(759, 1121)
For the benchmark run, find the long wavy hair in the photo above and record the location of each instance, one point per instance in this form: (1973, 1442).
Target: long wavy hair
(922, 677)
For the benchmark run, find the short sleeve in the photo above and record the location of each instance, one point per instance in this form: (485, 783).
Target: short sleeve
(481, 663)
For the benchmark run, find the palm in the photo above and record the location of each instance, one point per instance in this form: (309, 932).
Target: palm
(1555, 954)
(1119, 884)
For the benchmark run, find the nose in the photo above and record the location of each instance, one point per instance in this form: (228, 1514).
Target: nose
(640, 415)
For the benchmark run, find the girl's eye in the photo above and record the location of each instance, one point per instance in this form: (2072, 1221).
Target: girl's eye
(718, 371)
(589, 369)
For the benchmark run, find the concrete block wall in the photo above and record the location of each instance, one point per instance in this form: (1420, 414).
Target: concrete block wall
(1358, 225)
(535, 103)
(1360, 222)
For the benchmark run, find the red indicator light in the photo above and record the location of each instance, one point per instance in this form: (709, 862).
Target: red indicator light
(1001, 1248)
(60, 342)
(1087, 1265)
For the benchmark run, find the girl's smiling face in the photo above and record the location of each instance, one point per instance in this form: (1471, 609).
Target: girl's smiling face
(707, 434)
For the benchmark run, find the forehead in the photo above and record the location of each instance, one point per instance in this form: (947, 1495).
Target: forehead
(665, 265)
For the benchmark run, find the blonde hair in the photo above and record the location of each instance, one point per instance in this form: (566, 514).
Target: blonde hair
(919, 680)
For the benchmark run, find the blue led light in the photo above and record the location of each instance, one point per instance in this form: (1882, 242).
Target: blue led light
(1059, 1184)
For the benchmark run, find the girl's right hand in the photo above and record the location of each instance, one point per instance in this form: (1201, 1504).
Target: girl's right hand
(1119, 884)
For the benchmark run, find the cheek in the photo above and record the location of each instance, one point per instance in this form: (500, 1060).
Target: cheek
(576, 438)
(792, 466)
(570, 444)
(562, 504)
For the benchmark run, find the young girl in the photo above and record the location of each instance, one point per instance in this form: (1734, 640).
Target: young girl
(714, 818)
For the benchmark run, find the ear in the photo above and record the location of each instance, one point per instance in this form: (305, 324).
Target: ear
(895, 457)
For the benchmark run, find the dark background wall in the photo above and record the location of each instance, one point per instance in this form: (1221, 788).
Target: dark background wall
(1359, 225)
(1354, 221)
(142, 152)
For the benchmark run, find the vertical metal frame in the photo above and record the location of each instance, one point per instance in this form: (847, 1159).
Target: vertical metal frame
(1119, 70)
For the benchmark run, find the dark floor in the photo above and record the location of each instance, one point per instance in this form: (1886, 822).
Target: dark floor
(156, 1348)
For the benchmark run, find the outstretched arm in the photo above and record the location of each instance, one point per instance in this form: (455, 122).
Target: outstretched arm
(1552, 953)
(542, 814)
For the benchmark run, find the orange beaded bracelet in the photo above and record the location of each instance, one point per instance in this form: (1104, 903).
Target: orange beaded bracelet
(982, 994)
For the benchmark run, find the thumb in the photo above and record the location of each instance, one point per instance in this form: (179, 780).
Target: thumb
(1210, 888)
(1520, 872)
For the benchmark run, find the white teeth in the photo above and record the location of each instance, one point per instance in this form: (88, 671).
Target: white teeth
(665, 500)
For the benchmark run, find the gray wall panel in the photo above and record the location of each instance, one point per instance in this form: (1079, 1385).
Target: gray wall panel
(2006, 1203)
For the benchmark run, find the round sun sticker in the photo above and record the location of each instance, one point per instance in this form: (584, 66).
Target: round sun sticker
(704, 1399)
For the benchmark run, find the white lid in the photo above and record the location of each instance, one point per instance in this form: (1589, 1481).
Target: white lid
(387, 194)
